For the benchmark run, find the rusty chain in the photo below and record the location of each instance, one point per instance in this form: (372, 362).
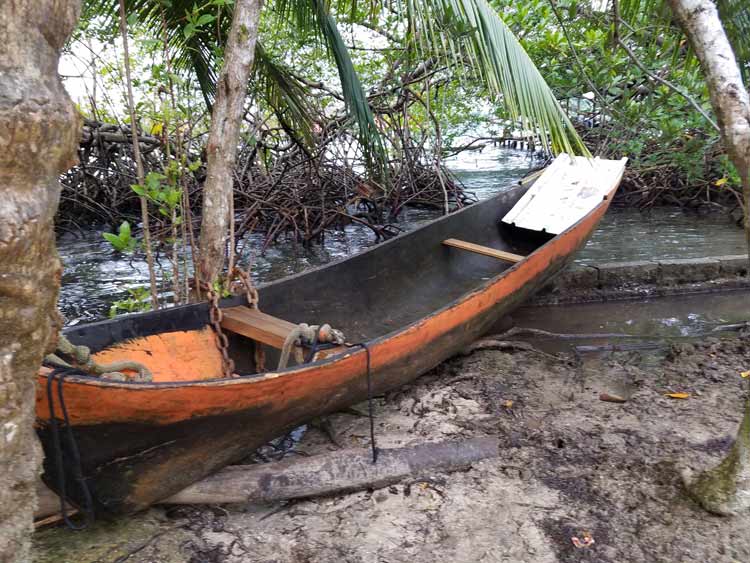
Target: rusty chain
(222, 342)
(215, 316)
(251, 293)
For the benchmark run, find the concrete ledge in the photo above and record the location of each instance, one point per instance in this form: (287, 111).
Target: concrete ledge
(630, 280)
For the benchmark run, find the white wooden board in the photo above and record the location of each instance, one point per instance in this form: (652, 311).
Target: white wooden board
(565, 193)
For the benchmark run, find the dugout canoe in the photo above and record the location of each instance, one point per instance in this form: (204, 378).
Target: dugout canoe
(414, 301)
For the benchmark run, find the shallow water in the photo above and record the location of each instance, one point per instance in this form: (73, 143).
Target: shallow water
(627, 234)
(662, 317)
(95, 276)
(641, 331)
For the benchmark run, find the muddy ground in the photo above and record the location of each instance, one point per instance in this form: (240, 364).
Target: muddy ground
(572, 466)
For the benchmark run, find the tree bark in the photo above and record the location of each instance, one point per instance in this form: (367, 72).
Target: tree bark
(223, 137)
(729, 97)
(724, 489)
(39, 130)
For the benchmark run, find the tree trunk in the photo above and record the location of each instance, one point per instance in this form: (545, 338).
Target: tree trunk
(224, 136)
(38, 138)
(724, 489)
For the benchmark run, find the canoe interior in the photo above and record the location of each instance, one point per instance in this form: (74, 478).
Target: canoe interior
(370, 295)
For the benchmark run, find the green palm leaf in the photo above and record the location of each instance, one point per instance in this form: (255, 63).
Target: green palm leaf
(353, 93)
(286, 96)
(314, 17)
(194, 53)
(470, 30)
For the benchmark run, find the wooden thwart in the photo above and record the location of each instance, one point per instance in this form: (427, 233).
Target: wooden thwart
(261, 327)
(265, 328)
(484, 250)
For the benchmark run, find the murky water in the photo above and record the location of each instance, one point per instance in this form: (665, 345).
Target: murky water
(95, 275)
(670, 317)
(648, 327)
(628, 234)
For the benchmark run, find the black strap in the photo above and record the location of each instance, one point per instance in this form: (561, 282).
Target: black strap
(59, 374)
(315, 346)
(370, 404)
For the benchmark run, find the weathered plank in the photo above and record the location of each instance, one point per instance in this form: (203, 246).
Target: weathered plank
(333, 473)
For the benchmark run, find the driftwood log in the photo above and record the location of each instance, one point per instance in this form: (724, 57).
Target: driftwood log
(337, 472)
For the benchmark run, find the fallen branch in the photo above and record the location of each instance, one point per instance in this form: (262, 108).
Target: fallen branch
(337, 472)
(516, 330)
(731, 327)
(332, 473)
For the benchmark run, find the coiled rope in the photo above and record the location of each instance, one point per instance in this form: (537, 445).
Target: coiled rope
(310, 335)
(80, 358)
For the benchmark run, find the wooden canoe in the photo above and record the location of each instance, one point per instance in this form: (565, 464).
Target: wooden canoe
(413, 300)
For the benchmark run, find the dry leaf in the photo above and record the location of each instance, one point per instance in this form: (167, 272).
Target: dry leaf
(745, 374)
(678, 395)
(612, 398)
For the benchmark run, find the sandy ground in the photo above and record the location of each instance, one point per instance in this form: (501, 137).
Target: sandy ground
(572, 466)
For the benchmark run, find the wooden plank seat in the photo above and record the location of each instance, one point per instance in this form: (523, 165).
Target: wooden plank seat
(264, 328)
(484, 250)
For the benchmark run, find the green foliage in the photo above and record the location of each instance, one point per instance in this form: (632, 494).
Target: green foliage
(632, 114)
(456, 31)
(308, 42)
(138, 301)
(123, 241)
(285, 94)
(162, 189)
(471, 30)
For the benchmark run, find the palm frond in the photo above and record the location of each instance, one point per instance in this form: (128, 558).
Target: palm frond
(314, 17)
(462, 30)
(354, 95)
(194, 53)
(285, 95)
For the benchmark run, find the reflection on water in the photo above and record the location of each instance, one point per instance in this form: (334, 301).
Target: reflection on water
(95, 275)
